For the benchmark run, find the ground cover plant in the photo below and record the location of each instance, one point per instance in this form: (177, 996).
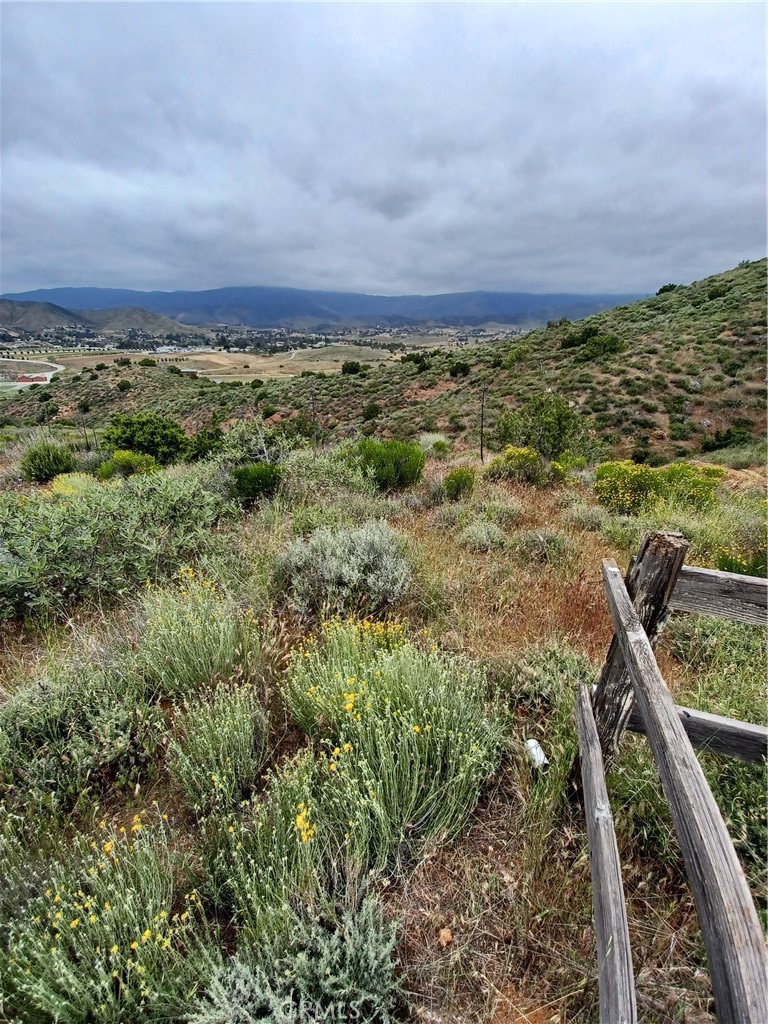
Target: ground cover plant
(287, 780)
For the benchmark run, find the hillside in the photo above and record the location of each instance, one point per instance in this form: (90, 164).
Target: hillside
(690, 363)
(35, 316)
(268, 307)
(32, 317)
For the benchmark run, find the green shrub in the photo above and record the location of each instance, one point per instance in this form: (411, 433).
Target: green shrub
(206, 442)
(102, 932)
(371, 411)
(146, 432)
(147, 361)
(123, 385)
(482, 536)
(100, 544)
(459, 483)
(219, 746)
(546, 423)
(440, 449)
(259, 480)
(407, 734)
(72, 483)
(44, 460)
(459, 369)
(542, 547)
(364, 570)
(126, 464)
(351, 366)
(521, 465)
(392, 464)
(73, 733)
(328, 971)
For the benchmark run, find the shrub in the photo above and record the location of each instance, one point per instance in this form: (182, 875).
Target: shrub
(330, 971)
(323, 475)
(440, 449)
(351, 366)
(219, 746)
(97, 545)
(97, 932)
(667, 288)
(521, 465)
(482, 536)
(364, 570)
(259, 480)
(123, 385)
(547, 423)
(122, 361)
(147, 361)
(541, 547)
(459, 369)
(194, 636)
(126, 464)
(407, 731)
(72, 483)
(392, 464)
(206, 442)
(72, 733)
(505, 513)
(44, 460)
(146, 432)
(627, 488)
(459, 483)
(371, 411)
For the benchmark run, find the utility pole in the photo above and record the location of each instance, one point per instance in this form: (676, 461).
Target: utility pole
(483, 396)
(313, 399)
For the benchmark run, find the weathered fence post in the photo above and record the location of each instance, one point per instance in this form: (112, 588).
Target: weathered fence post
(650, 580)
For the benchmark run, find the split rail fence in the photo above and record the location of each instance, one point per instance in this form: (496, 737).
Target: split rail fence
(631, 694)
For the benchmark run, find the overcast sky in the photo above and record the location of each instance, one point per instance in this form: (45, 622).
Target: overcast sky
(387, 148)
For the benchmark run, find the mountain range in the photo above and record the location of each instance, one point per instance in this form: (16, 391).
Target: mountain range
(284, 307)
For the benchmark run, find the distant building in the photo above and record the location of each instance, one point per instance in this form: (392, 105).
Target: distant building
(188, 373)
(36, 378)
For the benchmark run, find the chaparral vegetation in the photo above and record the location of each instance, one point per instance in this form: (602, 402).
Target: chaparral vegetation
(266, 680)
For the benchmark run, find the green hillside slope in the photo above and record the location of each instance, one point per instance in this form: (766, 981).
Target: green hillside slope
(672, 373)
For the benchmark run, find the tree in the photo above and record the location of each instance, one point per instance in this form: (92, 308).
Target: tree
(547, 424)
(146, 432)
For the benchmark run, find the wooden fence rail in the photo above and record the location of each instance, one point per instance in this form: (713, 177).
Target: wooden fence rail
(631, 694)
(719, 735)
(614, 954)
(730, 926)
(724, 594)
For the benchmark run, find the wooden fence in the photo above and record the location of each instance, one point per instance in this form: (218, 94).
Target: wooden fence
(631, 693)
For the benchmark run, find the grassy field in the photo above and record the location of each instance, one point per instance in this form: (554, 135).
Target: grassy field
(271, 754)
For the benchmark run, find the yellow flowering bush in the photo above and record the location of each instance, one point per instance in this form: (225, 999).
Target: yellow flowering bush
(101, 933)
(407, 734)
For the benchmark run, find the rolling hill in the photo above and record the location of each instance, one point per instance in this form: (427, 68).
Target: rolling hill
(671, 373)
(36, 316)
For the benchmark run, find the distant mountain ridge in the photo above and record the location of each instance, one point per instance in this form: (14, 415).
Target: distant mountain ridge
(260, 306)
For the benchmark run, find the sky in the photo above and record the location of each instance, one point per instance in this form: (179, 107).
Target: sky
(386, 148)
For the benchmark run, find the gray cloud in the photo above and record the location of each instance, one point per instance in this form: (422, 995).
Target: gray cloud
(386, 148)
